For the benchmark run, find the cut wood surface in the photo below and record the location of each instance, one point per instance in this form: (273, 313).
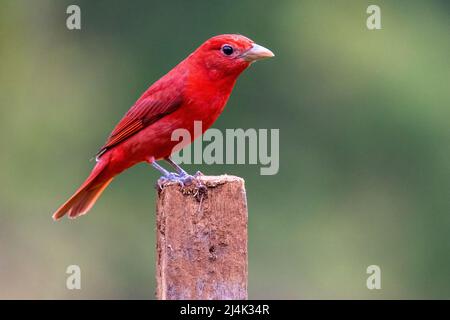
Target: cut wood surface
(202, 239)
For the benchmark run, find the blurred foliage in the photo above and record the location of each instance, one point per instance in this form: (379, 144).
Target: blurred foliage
(364, 123)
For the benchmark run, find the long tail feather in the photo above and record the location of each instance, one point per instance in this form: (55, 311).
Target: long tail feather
(86, 196)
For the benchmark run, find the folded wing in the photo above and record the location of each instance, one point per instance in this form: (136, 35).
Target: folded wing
(161, 99)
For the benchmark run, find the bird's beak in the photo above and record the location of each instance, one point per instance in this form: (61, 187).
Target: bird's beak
(257, 52)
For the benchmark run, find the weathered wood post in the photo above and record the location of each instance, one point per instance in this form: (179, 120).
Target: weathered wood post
(202, 240)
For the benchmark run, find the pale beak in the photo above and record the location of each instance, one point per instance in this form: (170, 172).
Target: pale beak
(257, 52)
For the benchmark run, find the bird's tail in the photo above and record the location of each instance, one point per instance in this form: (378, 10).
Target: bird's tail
(84, 198)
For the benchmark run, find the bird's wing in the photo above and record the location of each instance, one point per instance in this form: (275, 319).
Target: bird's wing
(157, 102)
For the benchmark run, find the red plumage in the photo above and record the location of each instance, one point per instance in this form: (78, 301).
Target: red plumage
(197, 89)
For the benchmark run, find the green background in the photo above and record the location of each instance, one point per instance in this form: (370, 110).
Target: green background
(364, 119)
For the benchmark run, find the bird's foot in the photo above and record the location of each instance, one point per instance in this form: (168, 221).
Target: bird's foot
(182, 179)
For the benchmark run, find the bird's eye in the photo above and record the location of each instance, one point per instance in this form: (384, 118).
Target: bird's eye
(227, 49)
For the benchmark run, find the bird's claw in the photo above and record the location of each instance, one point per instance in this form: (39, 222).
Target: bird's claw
(184, 179)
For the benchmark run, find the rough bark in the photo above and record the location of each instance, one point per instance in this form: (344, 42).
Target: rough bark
(202, 239)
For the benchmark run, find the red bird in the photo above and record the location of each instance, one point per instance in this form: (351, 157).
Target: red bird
(197, 89)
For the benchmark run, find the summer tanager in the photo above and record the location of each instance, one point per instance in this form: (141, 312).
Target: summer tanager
(197, 89)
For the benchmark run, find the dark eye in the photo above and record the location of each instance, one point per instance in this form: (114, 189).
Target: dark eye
(227, 49)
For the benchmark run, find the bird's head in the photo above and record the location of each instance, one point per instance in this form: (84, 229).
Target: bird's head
(229, 54)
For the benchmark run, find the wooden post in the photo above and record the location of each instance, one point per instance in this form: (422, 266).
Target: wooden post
(202, 240)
